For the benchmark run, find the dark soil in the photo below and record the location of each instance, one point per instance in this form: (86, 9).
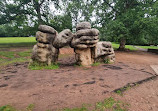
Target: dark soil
(71, 85)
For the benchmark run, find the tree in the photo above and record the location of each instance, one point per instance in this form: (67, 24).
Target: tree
(60, 22)
(126, 20)
(25, 14)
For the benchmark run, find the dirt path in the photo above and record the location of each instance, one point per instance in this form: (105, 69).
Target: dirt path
(71, 86)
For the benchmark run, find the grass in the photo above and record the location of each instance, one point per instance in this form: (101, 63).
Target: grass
(116, 46)
(11, 108)
(37, 66)
(148, 47)
(96, 64)
(109, 104)
(30, 41)
(130, 47)
(17, 41)
(9, 57)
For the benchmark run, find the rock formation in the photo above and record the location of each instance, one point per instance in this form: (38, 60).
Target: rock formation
(43, 51)
(104, 52)
(63, 39)
(83, 42)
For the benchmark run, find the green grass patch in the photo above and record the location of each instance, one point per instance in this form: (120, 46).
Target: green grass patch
(130, 47)
(17, 41)
(10, 57)
(96, 64)
(76, 109)
(24, 54)
(148, 47)
(109, 104)
(41, 66)
(11, 108)
(116, 46)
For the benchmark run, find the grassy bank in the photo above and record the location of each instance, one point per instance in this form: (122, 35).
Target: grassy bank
(17, 42)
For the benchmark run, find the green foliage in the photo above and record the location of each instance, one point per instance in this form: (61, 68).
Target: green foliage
(61, 22)
(41, 66)
(135, 21)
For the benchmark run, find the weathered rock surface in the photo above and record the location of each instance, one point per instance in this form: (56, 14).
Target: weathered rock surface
(46, 38)
(83, 25)
(43, 51)
(83, 57)
(55, 54)
(42, 54)
(104, 52)
(47, 29)
(84, 40)
(63, 38)
(87, 32)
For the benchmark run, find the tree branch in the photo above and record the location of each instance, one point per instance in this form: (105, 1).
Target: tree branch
(41, 2)
(110, 6)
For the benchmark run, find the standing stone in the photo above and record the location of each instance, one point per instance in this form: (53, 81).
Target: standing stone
(83, 56)
(43, 52)
(84, 40)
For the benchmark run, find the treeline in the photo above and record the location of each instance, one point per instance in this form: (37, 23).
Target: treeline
(123, 21)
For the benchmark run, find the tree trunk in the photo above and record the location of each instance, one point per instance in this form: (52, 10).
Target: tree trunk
(37, 7)
(122, 44)
(39, 15)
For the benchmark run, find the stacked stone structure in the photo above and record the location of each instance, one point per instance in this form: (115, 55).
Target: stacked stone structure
(43, 51)
(85, 42)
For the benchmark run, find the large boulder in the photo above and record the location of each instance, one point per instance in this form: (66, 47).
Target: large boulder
(47, 29)
(104, 52)
(64, 38)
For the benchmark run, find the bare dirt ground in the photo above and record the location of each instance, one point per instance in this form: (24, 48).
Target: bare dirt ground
(71, 85)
